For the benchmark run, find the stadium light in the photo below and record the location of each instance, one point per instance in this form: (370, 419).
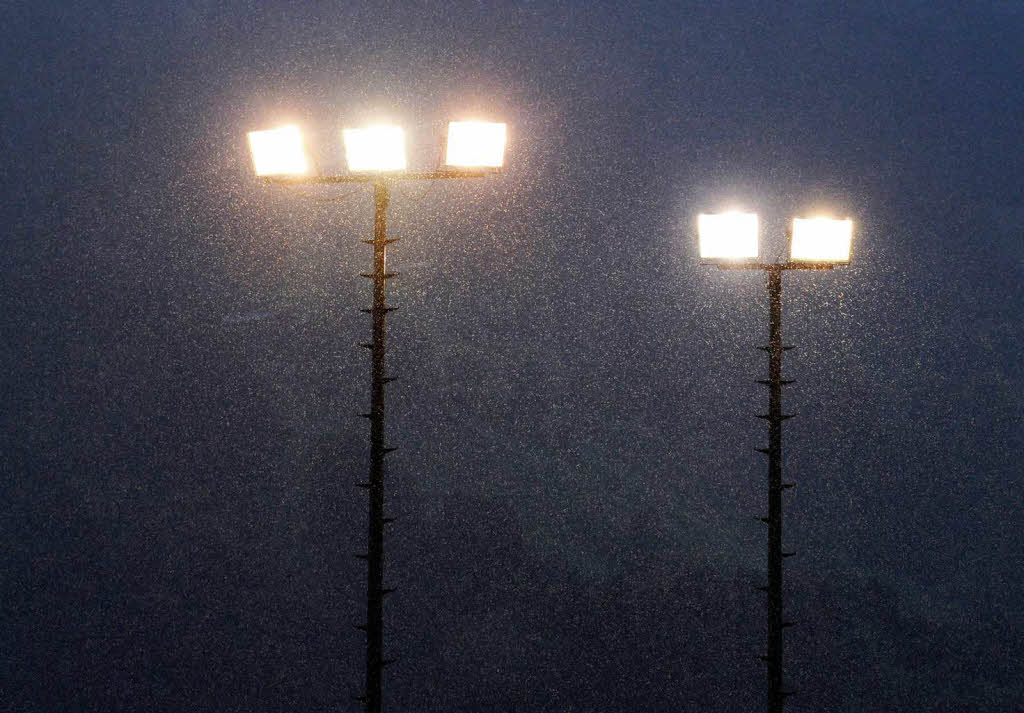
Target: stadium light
(375, 148)
(475, 144)
(727, 236)
(821, 240)
(278, 152)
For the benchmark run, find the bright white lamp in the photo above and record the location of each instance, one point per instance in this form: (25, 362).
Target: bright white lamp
(821, 240)
(278, 152)
(375, 148)
(475, 144)
(727, 236)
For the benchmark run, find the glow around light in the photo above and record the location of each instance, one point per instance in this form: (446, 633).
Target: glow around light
(375, 148)
(821, 240)
(727, 236)
(475, 144)
(278, 152)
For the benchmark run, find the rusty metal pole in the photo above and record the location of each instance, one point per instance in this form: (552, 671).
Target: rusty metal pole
(374, 555)
(375, 590)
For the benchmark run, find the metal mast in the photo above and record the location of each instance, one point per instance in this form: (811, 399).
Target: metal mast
(375, 590)
(374, 556)
(774, 657)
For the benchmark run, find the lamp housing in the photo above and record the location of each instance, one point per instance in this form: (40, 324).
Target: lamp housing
(475, 144)
(278, 152)
(730, 236)
(821, 240)
(378, 148)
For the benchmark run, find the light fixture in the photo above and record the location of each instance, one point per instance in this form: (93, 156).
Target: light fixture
(727, 236)
(821, 240)
(278, 152)
(475, 144)
(375, 148)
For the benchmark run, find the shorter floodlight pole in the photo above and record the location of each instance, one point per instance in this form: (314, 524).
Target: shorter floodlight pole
(775, 417)
(773, 656)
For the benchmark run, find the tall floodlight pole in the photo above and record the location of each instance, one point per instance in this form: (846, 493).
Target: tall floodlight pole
(376, 155)
(375, 591)
(730, 241)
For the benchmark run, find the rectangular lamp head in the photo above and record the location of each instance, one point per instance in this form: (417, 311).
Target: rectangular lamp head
(375, 148)
(278, 152)
(821, 240)
(727, 236)
(475, 144)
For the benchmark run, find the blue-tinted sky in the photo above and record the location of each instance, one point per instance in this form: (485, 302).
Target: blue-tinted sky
(576, 483)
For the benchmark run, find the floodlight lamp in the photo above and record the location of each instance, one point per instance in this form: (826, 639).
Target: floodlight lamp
(278, 152)
(821, 240)
(375, 148)
(475, 144)
(727, 236)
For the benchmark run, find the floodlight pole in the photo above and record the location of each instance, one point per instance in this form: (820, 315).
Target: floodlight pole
(375, 589)
(775, 417)
(773, 657)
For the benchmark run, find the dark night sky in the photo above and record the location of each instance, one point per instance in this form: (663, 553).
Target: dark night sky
(576, 483)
